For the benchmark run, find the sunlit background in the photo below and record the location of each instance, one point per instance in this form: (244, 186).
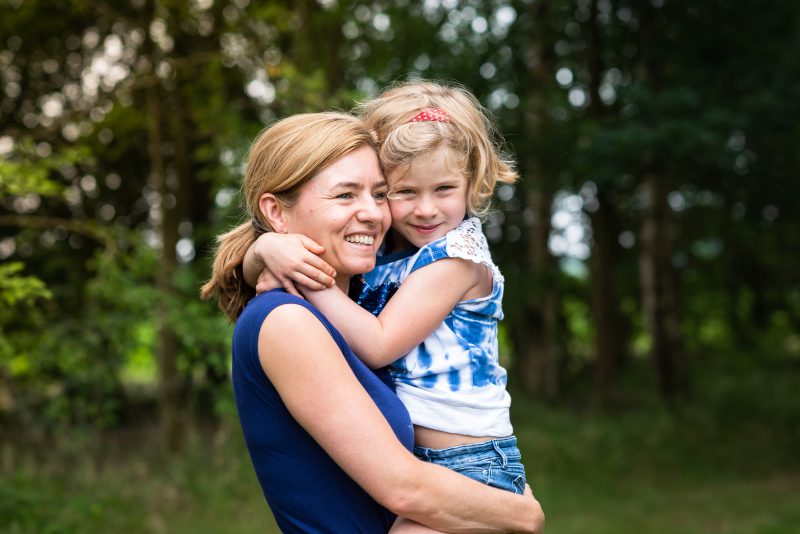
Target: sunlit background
(651, 249)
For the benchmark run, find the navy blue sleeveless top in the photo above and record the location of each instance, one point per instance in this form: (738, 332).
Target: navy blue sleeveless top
(306, 490)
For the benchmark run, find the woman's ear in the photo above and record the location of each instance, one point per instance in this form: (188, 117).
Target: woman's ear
(273, 210)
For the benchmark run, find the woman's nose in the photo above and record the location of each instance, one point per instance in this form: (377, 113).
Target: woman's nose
(369, 210)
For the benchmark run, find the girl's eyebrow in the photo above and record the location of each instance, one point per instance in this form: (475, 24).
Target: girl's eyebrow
(446, 181)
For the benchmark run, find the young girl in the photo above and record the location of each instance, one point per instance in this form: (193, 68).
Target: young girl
(438, 332)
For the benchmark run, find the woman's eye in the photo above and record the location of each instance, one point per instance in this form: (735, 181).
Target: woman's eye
(381, 196)
(345, 196)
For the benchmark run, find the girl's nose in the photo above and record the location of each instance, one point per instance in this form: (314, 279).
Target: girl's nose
(425, 206)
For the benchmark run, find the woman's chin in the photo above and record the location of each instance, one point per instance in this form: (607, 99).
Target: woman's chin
(357, 267)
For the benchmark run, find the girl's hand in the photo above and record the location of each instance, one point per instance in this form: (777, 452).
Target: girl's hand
(292, 260)
(267, 281)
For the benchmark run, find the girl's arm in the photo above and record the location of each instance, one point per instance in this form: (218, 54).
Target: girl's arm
(411, 315)
(291, 259)
(323, 395)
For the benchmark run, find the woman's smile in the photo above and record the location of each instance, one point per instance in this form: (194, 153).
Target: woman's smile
(344, 209)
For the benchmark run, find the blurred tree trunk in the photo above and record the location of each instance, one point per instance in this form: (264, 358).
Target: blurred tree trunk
(536, 336)
(537, 344)
(659, 286)
(658, 279)
(180, 187)
(604, 299)
(167, 229)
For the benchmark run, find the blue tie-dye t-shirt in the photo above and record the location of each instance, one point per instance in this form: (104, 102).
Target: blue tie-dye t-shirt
(453, 380)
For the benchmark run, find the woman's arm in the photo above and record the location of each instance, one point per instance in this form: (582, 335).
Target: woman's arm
(291, 259)
(323, 395)
(411, 315)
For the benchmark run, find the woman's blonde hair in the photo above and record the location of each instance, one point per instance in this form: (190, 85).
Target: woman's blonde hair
(283, 158)
(469, 135)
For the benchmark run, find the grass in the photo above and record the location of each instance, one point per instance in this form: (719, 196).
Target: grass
(649, 475)
(643, 471)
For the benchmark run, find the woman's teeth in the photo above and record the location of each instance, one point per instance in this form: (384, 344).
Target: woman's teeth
(361, 239)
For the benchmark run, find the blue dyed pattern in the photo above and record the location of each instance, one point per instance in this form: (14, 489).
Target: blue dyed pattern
(461, 356)
(373, 299)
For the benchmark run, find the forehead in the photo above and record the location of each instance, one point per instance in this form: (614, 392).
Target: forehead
(440, 163)
(359, 168)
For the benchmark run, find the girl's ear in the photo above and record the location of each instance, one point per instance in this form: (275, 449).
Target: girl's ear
(272, 209)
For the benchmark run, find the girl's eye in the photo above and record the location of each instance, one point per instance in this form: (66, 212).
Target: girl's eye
(402, 194)
(445, 187)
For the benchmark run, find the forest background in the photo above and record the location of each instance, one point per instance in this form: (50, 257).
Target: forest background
(651, 249)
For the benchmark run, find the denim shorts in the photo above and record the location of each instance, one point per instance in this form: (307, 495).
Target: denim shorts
(494, 463)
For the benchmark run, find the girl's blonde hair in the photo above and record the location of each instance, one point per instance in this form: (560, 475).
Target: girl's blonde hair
(283, 158)
(469, 135)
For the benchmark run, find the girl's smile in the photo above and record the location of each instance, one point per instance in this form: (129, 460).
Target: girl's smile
(428, 198)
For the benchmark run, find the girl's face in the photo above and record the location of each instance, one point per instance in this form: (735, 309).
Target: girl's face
(428, 197)
(344, 209)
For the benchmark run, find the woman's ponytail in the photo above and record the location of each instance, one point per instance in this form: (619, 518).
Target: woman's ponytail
(227, 282)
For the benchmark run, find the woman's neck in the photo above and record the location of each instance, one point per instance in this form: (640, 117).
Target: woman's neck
(343, 283)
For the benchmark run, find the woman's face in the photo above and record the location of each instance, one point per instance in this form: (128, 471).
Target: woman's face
(344, 209)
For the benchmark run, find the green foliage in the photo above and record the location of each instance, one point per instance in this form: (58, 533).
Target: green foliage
(579, 333)
(210, 488)
(681, 91)
(645, 469)
(27, 170)
(16, 289)
(17, 294)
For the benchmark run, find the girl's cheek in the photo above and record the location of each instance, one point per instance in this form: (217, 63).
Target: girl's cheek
(394, 209)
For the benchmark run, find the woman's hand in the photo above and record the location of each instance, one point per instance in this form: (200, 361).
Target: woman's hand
(538, 526)
(290, 260)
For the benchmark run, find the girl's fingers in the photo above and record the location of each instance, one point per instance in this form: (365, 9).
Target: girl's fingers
(320, 265)
(266, 281)
(290, 288)
(318, 275)
(307, 282)
(311, 245)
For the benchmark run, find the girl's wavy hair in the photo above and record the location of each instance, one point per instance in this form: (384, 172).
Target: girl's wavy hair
(282, 159)
(470, 135)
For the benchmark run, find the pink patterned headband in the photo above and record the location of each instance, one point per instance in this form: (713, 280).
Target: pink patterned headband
(431, 114)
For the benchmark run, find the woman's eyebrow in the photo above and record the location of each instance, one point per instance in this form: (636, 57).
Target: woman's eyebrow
(358, 185)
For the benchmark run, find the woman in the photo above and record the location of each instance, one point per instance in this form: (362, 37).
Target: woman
(328, 438)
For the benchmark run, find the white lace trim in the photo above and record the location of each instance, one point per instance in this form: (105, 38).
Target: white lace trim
(466, 241)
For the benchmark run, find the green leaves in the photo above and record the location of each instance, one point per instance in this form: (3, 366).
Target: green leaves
(29, 168)
(16, 289)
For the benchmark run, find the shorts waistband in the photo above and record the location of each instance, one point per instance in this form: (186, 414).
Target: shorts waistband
(491, 447)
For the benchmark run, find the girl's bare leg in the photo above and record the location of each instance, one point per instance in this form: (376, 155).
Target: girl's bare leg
(406, 526)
